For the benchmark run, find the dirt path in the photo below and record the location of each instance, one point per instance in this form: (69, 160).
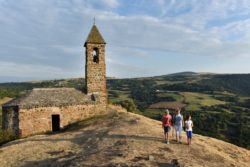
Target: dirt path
(119, 139)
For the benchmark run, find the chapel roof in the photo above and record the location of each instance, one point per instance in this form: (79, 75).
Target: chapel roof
(50, 97)
(95, 36)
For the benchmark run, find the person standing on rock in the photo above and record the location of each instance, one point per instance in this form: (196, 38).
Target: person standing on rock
(189, 129)
(179, 123)
(166, 125)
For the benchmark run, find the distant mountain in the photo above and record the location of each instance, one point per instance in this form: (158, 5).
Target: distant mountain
(183, 73)
(182, 81)
(191, 81)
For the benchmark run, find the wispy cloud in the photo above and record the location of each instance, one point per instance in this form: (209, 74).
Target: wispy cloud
(111, 3)
(142, 34)
(32, 71)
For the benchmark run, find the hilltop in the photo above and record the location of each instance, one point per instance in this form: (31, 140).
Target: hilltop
(119, 139)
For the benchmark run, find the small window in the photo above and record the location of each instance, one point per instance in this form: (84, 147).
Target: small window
(95, 55)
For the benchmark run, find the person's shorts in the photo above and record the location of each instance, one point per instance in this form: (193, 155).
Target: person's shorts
(189, 134)
(178, 130)
(167, 129)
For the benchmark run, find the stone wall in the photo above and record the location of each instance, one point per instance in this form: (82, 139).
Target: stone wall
(95, 73)
(39, 120)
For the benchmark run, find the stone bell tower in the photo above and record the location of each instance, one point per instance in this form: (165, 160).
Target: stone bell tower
(95, 67)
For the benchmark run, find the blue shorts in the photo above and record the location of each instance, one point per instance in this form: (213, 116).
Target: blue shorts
(189, 134)
(167, 129)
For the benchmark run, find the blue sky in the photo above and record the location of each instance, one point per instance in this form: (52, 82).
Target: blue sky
(43, 39)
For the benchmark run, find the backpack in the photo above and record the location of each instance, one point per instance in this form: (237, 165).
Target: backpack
(178, 120)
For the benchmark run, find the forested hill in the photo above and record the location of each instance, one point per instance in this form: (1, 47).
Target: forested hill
(219, 103)
(184, 81)
(236, 83)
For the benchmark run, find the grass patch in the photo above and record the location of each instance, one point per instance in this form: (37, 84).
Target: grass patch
(4, 100)
(153, 113)
(169, 105)
(124, 96)
(115, 100)
(202, 99)
(119, 94)
(6, 136)
(162, 82)
(195, 101)
(175, 96)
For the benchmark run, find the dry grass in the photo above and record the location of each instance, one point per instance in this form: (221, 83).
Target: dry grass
(4, 100)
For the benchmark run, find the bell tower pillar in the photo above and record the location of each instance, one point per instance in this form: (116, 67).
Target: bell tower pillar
(95, 67)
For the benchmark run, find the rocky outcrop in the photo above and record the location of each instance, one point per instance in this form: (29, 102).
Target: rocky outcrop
(119, 139)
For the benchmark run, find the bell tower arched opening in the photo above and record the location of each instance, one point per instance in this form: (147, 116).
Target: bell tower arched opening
(95, 55)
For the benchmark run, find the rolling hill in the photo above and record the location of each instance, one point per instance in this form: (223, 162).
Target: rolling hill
(219, 103)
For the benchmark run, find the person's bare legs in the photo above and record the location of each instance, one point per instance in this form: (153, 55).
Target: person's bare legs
(176, 134)
(173, 129)
(167, 138)
(179, 138)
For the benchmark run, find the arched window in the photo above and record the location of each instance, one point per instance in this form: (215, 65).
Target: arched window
(95, 55)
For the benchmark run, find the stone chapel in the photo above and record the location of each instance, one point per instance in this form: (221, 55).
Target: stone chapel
(50, 109)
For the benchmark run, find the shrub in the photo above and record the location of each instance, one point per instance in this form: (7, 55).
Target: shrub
(128, 104)
(7, 135)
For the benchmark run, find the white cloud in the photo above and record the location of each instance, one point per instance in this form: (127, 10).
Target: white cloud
(31, 71)
(151, 33)
(111, 3)
(50, 34)
(69, 50)
(123, 69)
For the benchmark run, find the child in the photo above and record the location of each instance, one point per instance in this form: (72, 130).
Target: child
(166, 123)
(189, 126)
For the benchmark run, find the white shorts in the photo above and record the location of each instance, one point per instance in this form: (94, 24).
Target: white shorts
(178, 130)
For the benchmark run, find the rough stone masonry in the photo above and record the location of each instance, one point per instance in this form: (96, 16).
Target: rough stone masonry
(50, 109)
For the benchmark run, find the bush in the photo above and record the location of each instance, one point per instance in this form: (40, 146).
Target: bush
(128, 104)
(7, 135)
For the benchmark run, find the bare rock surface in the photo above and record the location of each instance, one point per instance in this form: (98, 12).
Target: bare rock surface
(119, 139)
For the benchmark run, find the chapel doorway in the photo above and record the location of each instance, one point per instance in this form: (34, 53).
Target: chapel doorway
(55, 123)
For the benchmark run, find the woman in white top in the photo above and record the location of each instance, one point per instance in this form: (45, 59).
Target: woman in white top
(179, 124)
(189, 129)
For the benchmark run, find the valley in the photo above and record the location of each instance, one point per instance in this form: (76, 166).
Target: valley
(219, 104)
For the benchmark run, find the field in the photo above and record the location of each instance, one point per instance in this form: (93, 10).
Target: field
(195, 101)
(218, 111)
